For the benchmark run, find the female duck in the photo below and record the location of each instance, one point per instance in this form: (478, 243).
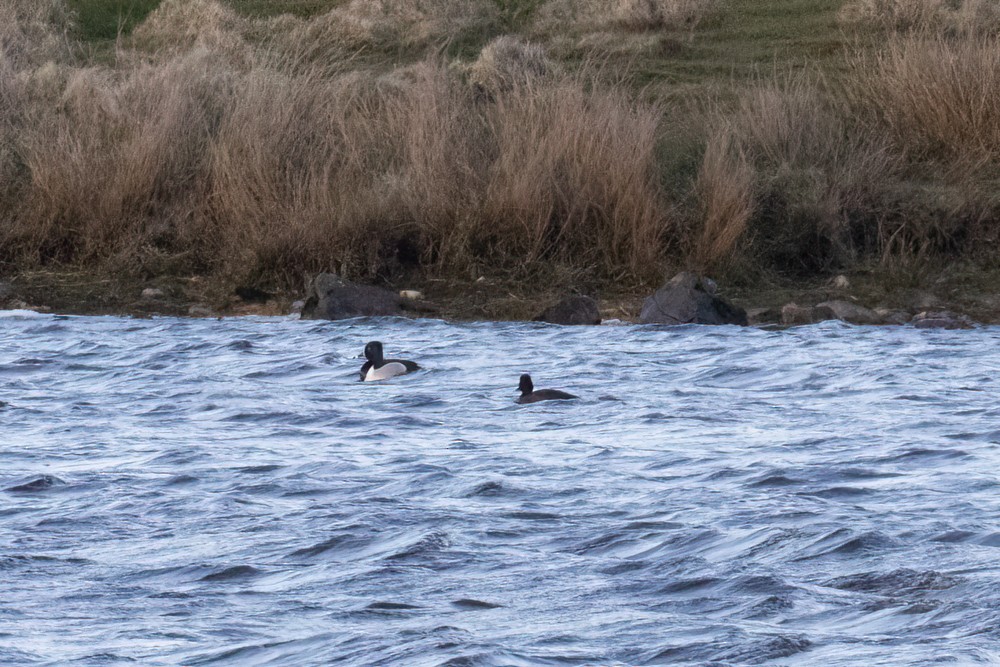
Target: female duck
(379, 368)
(529, 395)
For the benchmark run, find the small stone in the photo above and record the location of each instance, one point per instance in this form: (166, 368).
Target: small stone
(792, 314)
(571, 310)
(297, 307)
(894, 317)
(756, 316)
(152, 293)
(942, 319)
(413, 294)
(851, 312)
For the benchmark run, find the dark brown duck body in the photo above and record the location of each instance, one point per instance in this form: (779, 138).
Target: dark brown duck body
(529, 395)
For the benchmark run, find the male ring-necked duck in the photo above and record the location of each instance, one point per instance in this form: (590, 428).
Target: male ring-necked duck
(379, 368)
(529, 395)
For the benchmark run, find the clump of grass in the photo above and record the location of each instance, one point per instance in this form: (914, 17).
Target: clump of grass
(726, 190)
(395, 25)
(815, 185)
(362, 172)
(116, 166)
(943, 17)
(939, 98)
(662, 14)
(178, 25)
(508, 62)
(33, 31)
(311, 173)
(582, 190)
(557, 16)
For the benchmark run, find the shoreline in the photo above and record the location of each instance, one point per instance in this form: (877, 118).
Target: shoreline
(495, 300)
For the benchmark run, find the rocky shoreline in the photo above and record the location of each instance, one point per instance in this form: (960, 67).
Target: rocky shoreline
(685, 298)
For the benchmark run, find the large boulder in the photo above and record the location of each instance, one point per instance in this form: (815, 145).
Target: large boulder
(851, 312)
(330, 297)
(690, 299)
(572, 310)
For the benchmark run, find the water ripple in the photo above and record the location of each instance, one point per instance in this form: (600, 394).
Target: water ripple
(226, 493)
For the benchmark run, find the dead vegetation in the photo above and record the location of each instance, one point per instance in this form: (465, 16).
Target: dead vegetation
(261, 150)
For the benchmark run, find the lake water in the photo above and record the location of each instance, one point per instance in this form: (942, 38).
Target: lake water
(194, 492)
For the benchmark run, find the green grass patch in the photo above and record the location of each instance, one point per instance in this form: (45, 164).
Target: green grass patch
(265, 8)
(100, 20)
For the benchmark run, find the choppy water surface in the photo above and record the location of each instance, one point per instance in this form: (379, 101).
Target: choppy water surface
(225, 492)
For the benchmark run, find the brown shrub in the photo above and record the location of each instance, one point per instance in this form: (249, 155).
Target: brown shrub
(276, 167)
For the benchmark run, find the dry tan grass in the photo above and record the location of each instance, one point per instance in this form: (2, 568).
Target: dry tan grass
(258, 165)
(817, 176)
(119, 163)
(350, 173)
(178, 26)
(33, 31)
(557, 16)
(939, 98)
(509, 62)
(948, 17)
(392, 25)
(726, 190)
(582, 189)
(313, 174)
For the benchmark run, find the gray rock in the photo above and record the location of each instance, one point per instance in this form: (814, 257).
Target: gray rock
(942, 319)
(152, 293)
(890, 316)
(297, 307)
(572, 310)
(756, 316)
(792, 314)
(688, 299)
(851, 312)
(330, 297)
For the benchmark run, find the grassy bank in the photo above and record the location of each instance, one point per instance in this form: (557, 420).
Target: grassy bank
(571, 143)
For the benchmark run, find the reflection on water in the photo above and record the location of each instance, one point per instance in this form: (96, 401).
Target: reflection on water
(225, 492)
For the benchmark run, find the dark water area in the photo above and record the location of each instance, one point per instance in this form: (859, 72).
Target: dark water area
(201, 492)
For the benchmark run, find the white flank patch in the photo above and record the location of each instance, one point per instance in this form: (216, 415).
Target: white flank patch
(387, 371)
